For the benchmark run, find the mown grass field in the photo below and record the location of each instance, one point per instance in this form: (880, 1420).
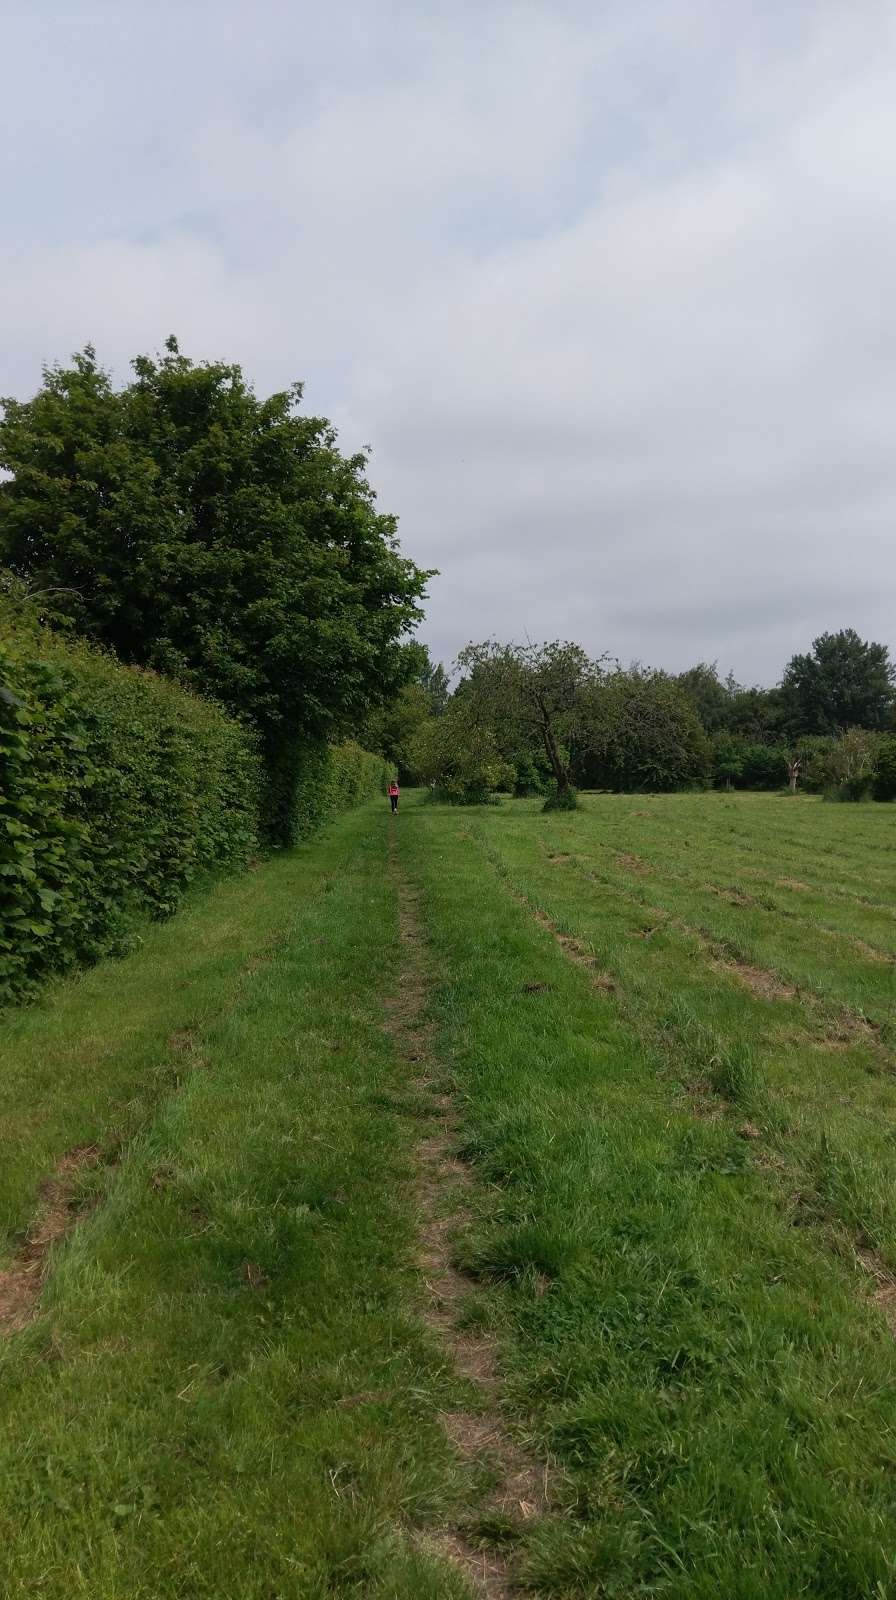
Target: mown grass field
(665, 1033)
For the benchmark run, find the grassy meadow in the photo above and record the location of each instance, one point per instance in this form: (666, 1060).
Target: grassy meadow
(665, 1039)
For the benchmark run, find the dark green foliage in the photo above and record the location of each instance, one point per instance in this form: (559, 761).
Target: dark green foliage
(885, 770)
(561, 800)
(531, 778)
(727, 760)
(646, 734)
(219, 538)
(814, 752)
(707, 693)
(764, 766)
(116, 789)
(727, 706)
(305, 785)
(393, 729)
(844, 682)
(434, 682)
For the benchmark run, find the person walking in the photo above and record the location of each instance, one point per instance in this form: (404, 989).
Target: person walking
(393, 794)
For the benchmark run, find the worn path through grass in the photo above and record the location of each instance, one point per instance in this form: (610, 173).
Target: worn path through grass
(510, 1489)
(226, 1386)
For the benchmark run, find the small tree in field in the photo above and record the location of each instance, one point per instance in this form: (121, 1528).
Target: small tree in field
(849, 766)
(459, 760)
(536, 695)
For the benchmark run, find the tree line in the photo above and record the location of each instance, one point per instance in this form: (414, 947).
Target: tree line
(548, 719)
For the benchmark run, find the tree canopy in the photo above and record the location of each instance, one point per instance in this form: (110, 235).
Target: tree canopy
(843, 682)
(646, 733)
(218, 537)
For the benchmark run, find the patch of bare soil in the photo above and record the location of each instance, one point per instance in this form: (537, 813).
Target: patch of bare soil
(733, 897)
(758, 980)
(630, 863)
(22, 1281)
(577, 951)
(884, 1292)
(793, 883)
(441, 1185)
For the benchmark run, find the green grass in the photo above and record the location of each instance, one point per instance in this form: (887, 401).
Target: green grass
(685, 1328)
(677, 1177)
(169, 1427)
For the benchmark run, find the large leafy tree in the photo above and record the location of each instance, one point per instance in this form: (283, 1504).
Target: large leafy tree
(646, 734)
(843, 682)
(216, 536)
(724, 705)
(708, 694)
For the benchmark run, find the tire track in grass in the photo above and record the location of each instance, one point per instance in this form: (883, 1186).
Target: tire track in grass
(443, 1184)
(21, 1282)
(60, 1207)
(831, 1022)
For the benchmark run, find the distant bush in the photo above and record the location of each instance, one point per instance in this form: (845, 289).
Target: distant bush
(116, 789)
(764, 766)
(458, 758)
(726, 760)
(530, 779)
(814, 751)
(846, 770)
(884, 785)
(561, 800)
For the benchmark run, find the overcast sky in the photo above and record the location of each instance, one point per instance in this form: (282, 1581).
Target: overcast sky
(608, 286)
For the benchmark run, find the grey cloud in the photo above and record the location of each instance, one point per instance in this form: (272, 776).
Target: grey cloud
(607, 288)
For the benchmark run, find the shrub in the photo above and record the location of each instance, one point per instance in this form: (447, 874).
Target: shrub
(727, 759)
(459, 760)
(763, 766)
(530, 779)
(814, 752)
(884, 787)
(848, 768)
(561, 800)
(332, 778)
(116, 789)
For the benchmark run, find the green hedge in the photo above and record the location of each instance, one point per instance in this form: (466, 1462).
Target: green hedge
(116, 789)
(306, 785)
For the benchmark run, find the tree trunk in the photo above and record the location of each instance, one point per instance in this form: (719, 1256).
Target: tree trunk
(561, 775)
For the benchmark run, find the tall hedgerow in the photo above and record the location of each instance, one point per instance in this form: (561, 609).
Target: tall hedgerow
(117, 788)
